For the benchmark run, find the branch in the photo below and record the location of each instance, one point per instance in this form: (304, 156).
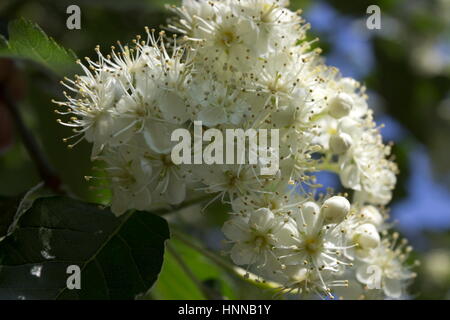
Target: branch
(183, 205)
(207, 292)
(46, 172)
(236, 271)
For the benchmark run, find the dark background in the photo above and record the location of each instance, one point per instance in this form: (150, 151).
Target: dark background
(405, 65)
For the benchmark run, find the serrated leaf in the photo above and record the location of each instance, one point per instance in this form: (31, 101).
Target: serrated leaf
(119, 258)
(28, 41)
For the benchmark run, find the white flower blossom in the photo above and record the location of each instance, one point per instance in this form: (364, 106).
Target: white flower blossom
(247, 64)
(385, 266)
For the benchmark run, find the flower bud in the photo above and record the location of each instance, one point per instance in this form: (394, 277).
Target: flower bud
(348, 84)
(372, 215)
(335, 209)
(340, 143)
(367, 236)
(340, 106)
(311, 212)
(310, 208)
(349, 126)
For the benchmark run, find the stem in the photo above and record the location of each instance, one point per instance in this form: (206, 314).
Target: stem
(238, 272)
(207, 292)
(183, 205)
(46, 172)
(327, 166)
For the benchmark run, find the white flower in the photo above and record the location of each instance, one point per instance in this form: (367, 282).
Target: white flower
(168, 180)
(130, 182)
(365, 167)
(231, 180)
(255, 238)
(384, 268)
(247, 64)
(215, 103)
(340, 106)
(232, 33)
(304, 282)
(274, 25)
(372, 215)
(318, 245)
(340, 143)
(366, 236)
(93, 108)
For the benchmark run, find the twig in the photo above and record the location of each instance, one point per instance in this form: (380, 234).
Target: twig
(205, 290)
(210, 255)
(47, 173)
(183, 205)
(238, 272)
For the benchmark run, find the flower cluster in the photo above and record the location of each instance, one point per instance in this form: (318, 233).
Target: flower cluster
(248, 64)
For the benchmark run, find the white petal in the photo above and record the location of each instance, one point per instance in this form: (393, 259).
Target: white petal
(176, 190)
(284, 235)
(236, 229)
(157, 135)
(242, 254)
(350, 177)
(261, 219)
(392, 288)
(119, 203)
(173, 107)
(213, 116)
(142, 200)
(362, 274)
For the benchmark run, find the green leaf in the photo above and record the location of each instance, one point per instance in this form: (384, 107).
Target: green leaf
(175, 284)
(119, 258)
(28, 41)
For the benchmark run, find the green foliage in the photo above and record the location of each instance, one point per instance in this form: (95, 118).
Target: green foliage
(28, 41)
(175, 284)
(414, 103)
(119, 258)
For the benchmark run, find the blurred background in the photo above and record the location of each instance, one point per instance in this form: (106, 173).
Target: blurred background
(405, 66)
